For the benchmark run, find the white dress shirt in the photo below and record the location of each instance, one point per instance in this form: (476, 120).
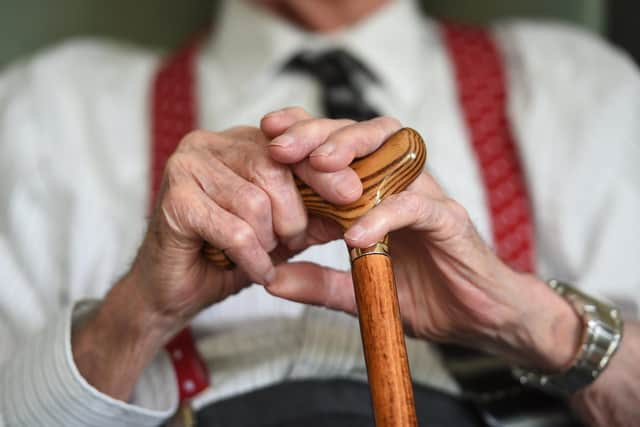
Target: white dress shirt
(74, 190)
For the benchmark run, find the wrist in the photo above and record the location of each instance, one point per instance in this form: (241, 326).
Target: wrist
(128, 306)
(115, 342)
(538, 329)
(548, 331)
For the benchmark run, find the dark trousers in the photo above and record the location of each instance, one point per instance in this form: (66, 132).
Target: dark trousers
(334, 403)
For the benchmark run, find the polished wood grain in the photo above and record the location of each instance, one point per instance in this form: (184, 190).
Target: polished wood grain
(387, 171)
(385, 351)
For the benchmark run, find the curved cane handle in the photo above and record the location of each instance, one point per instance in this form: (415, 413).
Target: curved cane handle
(386, 171)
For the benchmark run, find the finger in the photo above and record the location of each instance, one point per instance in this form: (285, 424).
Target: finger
(442, 218)
(302, 137)
(339, 187)
(193, 214)
(310, 283)
(238, 196)
(244, 152)
(350, 142)
(276, 122)
(288, 213)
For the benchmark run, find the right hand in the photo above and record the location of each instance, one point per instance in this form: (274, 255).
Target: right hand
(226, 190)
(220, 189)
(223, 189)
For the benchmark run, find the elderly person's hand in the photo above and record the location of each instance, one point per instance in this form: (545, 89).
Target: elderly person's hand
(223, 189)
(451, 286)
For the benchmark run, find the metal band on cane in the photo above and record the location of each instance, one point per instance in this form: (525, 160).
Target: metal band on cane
(381, 248)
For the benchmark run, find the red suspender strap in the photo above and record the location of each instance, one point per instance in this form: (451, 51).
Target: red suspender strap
(174, 109)
(483, 97)
(192, 374)
(173, 116)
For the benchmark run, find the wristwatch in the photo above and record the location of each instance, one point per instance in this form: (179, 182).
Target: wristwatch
(601, 338)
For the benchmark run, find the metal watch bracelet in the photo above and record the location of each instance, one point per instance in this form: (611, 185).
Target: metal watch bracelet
(602, 335)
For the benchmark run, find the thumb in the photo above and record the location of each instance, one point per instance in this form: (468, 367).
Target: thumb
(314, 284)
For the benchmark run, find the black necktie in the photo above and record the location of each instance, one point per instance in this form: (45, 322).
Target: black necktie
(340, 76)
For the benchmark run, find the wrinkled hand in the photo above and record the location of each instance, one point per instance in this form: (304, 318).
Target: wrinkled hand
(225, 190)
(451, 286)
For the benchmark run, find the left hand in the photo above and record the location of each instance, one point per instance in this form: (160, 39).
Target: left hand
(451, 286)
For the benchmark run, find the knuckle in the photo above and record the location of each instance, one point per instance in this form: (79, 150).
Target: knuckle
(181, 167)
(308, 126)
(205, 142)
(255, 201)
(458, 211)
(241, 237)
(459, 216)
(244, 132)
(268, 175)
(411, 203)
(195, 138)
(179, 162)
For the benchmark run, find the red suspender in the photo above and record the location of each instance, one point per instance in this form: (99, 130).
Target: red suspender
(482, 93)
(192, 374)
(173, 109)
(174, 114)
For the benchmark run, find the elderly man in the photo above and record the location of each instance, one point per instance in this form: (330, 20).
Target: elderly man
(84, 126)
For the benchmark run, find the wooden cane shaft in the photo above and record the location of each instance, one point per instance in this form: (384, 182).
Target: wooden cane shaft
(383, 341)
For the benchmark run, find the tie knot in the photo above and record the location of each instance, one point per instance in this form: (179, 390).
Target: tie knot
(341, 76)
(331, 67)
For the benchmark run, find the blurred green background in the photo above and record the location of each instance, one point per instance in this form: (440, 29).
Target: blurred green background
(28, 25)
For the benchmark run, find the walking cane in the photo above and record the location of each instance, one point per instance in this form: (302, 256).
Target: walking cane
(387, 171)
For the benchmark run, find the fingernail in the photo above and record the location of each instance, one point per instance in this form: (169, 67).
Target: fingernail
(283, 141)
(324, 150)
(355, 233)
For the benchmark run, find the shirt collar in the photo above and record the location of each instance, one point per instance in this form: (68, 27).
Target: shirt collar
(251, 44)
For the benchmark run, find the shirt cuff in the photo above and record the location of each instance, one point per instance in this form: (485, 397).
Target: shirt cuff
(41, 385)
